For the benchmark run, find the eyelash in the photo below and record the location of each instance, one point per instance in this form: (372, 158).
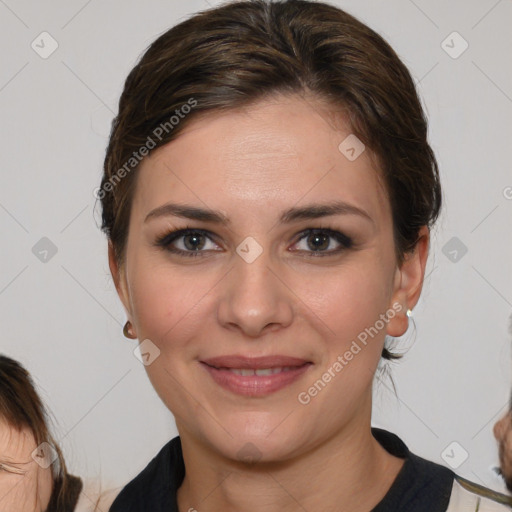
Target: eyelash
(164, 241)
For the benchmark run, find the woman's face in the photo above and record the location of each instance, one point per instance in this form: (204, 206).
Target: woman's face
(272, 274)
(25, 486)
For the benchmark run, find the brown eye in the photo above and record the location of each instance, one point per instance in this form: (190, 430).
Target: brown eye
(318, 242)
(188, 242)
(194, 241)
(323, 242)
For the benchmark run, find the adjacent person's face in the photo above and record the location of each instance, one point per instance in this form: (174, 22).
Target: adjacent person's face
(503, 434)
(24, 485)
(320, 282)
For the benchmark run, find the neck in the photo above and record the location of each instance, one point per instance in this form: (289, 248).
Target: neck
(349, 472)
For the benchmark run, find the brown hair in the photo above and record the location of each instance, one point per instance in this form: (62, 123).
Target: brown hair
(233, 55)
(21, 407)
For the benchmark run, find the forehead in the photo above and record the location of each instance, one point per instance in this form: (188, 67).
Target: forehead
(15, 445)
(275, 152)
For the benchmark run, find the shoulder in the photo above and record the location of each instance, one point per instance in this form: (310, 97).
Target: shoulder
(423, 485)
(468, 497)
(155, 486)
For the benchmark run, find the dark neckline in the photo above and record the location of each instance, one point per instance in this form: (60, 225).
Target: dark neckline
(420, 486)
(416, 477)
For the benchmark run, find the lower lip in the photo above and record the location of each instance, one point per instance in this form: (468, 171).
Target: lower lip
(255, 385)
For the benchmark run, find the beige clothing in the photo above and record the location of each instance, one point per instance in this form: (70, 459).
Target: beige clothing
(469, 497)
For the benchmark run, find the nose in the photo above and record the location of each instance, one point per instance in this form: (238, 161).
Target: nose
(254, 298)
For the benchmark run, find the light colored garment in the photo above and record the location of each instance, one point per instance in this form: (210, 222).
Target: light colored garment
(94, 498)
(468, 497)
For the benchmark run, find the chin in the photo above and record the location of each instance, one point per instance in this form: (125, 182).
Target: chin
(256, 437)
(252, 450)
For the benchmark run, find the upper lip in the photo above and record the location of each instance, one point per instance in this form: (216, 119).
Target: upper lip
(242, 362)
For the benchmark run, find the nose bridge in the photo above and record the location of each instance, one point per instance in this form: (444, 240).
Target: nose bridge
(254, 286)
(255, 278)
(254, 296)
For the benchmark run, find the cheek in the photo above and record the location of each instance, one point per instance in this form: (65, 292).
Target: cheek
(45, 486)
(348, 300)
(175, 309)
(172, 304)
(165, 299)
(17, 493)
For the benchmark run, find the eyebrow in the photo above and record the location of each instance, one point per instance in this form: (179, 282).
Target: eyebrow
(312, 211)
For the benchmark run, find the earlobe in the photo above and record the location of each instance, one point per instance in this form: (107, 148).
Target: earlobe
(408, 284)
(398, 324)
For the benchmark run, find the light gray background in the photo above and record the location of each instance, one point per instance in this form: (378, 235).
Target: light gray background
(62, 318)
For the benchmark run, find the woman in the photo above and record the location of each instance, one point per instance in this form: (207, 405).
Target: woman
(33, 473)
(267, 195)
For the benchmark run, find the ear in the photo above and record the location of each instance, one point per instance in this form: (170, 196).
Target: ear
(408, 284)
(119, 278)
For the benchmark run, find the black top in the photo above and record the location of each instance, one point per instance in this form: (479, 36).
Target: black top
(420, 486)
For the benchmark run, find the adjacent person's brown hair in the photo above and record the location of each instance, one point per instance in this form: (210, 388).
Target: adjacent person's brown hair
(21, 407)
(236, 54)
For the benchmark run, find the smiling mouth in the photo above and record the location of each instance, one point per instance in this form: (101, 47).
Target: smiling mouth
(255, 377)
(246, 372)
(254, 363)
